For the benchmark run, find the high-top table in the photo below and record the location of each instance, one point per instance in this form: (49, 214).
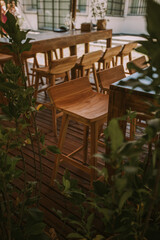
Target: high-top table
(123, 98)
(47, 41)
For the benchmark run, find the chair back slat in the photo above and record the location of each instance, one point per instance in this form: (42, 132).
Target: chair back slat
(67, 89)
(139, 62)
(111, 75)
(90, 58)
(62, 65)
(111, 52)
(127, 48)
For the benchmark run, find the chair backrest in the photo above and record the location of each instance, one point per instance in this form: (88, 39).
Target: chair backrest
(139, 62)
(111, 52)
(127, 48)
(62, 65)
(90, 58)
(73, 88)
(111, 75)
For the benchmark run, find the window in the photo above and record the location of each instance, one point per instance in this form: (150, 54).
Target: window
(81, 6)
(137, 7)
(115, 7)
(52, 13)
(30, 5)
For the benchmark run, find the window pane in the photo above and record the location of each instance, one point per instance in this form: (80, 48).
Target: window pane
(137, 7)
(115, 7)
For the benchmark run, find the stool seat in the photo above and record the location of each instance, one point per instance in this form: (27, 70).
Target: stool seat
(84, 106)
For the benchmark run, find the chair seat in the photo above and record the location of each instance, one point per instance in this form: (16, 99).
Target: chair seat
(90, 106)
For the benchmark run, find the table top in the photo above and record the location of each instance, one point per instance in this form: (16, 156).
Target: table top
(133, 76)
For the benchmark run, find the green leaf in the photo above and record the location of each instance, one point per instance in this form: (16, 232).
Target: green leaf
(53, 149)
(74, 235)
(35, 229)
(124, 198)
(115, 134)
(100, 188)
(153, 18)
(90, 221)
(98, 237)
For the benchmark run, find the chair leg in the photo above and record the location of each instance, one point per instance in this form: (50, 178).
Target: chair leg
(54, 121)
(132, 128)
(94, 138)
(85, 143)
(95, 78)
(62, 135)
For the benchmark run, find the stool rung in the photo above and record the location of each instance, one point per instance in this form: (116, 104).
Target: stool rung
(75, 151)
(76, 163)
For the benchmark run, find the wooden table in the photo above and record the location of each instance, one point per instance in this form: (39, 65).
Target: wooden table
(47, 41)
(123, 98)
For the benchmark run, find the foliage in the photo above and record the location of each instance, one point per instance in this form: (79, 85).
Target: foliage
(126, 205)
(20, 217)
(98, 8)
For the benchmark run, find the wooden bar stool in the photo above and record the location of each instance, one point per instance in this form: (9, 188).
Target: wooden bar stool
(108, 57)
(138, 62)
(3, 59)
(126, 51)
(86, 63)
(57, 68)
(79, 102)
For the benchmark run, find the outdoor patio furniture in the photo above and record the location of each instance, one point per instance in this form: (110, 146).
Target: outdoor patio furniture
(86, 63)
(139, 62)
(126, 51)
(121, 99)
(79, 102)
(108, 57)
(57, 68)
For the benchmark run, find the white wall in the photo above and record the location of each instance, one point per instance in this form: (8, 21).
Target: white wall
(127, 25)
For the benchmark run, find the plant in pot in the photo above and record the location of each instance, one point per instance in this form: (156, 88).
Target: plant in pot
(98, 13)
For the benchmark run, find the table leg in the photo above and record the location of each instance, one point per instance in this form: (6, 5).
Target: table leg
(73, 51)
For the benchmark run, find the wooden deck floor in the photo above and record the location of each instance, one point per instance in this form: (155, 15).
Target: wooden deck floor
(50, 196)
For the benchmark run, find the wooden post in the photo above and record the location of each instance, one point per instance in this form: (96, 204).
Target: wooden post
(73, 11)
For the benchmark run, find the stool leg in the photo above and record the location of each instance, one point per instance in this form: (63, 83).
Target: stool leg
(85, 143)
(62, 135)
(54, 119)
(94, 138)
(95, 78)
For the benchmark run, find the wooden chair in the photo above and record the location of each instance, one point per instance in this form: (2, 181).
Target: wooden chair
(79, 102)
(58, 68)
(108, 57)
(126, 51)
(108, 76)
(3, 59)
(86, 63)
(138, 62)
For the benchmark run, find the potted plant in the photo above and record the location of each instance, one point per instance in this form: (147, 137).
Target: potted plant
(98, 12)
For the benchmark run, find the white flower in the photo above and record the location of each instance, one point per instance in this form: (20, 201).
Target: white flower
(99, 8)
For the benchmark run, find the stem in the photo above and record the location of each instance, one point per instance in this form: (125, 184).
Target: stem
(34, 154)
(39, 154)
